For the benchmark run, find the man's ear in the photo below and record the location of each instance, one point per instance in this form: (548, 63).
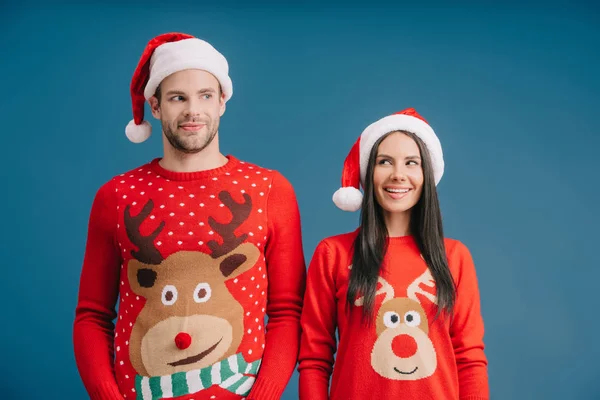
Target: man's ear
(154, 106)
(223, 106)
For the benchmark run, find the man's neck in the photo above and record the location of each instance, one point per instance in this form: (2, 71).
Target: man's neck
(178, 161)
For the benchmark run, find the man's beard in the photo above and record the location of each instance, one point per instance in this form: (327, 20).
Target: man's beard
(190, 144)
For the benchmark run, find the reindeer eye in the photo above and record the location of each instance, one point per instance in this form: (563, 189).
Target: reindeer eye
(169, 295)
(391, 319)
(412, 319)
(202, 293)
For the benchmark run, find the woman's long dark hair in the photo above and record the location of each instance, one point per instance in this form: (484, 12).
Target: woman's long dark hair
(370, 245)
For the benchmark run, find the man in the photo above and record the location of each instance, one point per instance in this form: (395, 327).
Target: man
(197, 246)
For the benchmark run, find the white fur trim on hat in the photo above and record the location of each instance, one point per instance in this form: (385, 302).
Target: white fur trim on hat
(187, 54)
(348, 198)
(138, 133)
(402, 122)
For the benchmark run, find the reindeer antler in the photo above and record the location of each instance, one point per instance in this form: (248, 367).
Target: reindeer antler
(414, 288)
(385, 288)
(146, 253)
(239, 213)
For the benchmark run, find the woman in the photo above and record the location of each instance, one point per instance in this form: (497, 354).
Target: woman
(404, 299)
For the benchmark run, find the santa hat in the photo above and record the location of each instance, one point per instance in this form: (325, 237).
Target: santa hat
(163, 56)
(349, 197)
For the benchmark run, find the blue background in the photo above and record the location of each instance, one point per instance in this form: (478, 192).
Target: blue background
(511, 90)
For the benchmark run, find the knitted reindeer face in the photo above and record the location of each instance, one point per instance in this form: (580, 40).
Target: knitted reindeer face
(190, 319)
(403, 350)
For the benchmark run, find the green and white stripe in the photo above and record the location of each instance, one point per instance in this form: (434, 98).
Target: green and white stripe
(230, 374)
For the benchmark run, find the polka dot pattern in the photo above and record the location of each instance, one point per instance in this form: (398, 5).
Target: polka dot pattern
(185, 207)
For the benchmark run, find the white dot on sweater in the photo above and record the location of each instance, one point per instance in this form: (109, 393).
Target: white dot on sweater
(131, 187)
(253, 185)
(192, 214)
(190, 233)
(257, 244)
(202, 187)
(181, 223)
(170, 233)
(262, 293)
(263, 310)
(127, 294)
(213, 397)
(127, 342)
(211, 233)
(118, 348)
(243, 191)
(259, 328)
(124, 196)
(172, 214)
(239, 170)
(120, 317)
(191, 196)
(171, 195)
(235, 182)
(131, 176)
(160, 189)
(141, 179)
(126, 376)
(264, 179)
(261, 193)
(251, 167)
(201, 243)
(181, 204)
(133, 390)
(260, 210)
(256, 319)
(180, 187)
(251, 295)
(122, 181)
(252, 278)
(158, 243)
(137, 297)
(201, 204)
(215, 178)
(263, 346)
(249, 331)
(250, 351)
(264, 276)
(116, 334)
(180, 242)
(260, 228)
(269, 186)
(227, 173)
(149, 183)
(255, 339)
(162, 206)
(258, 286)
(212, 196)
(244, 288)
(122, 283)
(152, 217)
(248, 314)
(258, 172)
(221, 205)
(134, 203)
(235, 280)
(121, 363)
(201, 223)
(256, 303)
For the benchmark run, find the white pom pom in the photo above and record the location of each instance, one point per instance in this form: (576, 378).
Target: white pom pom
(138, 133)
(348, 198)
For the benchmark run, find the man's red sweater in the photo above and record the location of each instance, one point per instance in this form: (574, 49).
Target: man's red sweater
(194, 262)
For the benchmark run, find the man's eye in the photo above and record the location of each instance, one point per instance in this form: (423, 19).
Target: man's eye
(177, 98)
(208, 96)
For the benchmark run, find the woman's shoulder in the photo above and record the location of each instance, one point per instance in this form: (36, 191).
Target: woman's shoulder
(342, 241)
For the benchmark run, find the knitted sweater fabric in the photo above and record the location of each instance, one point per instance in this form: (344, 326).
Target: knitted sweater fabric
(404, 352)
(189, 265)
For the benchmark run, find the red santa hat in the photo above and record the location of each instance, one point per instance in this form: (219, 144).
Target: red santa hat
(349, 197)
(163, 56)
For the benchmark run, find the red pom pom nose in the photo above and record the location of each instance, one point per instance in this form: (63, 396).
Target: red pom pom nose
(183, 340)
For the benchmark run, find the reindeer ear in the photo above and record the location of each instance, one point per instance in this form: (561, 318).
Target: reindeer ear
(238, 261)
(141, 277)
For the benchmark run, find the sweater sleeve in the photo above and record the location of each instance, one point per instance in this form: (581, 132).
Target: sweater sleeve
(93, 328)
(286, 270)
(319, 317)
(467, 330)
